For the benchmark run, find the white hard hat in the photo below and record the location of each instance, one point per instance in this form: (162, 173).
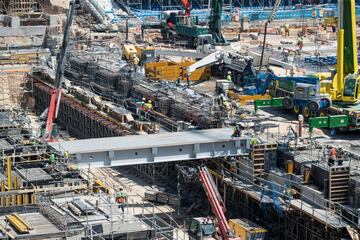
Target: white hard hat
(229, 72)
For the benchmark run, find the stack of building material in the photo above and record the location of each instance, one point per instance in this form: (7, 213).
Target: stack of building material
(173, 71)
(84, 207)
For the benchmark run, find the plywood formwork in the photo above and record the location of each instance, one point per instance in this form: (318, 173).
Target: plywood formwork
(11, 89)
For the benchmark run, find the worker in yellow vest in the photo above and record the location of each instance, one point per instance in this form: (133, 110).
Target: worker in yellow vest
(229, 77)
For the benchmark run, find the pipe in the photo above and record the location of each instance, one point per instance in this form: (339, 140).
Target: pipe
(9, 173)
(340, 65)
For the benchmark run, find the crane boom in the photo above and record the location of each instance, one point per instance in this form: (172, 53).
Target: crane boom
(217, 205)
(270, 19)
(56, 93)
(186, 4)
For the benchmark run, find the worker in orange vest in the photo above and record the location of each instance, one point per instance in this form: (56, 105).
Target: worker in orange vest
(121, 198)
(332, 156)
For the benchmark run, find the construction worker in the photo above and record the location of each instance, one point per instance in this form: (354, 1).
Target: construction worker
(300, 43)
(236, 132)
(254, 141)
(121, 199)
(340, 156)
(52, 158)
(140, 106)
(148, 105)
(332, 156)
(228, 76)
(287, 29)
(66, 155)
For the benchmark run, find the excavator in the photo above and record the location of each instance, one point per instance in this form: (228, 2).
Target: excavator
(344, 87)
(204, 228)
(55, 99)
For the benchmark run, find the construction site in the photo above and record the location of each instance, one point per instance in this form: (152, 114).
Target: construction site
(179, 119)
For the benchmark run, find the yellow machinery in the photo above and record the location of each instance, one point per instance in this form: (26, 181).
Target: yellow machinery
(246, 229)
(345, 85)
(244, 99)
(19, 223)
(129, 51)
(100, 186)
(174, 70)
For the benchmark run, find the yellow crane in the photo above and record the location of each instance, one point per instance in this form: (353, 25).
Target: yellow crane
(345, 85)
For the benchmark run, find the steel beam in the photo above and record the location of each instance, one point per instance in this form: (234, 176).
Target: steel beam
(155, 148)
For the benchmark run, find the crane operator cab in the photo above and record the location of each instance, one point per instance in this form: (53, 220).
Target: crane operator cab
(202, 229)
(352, 88)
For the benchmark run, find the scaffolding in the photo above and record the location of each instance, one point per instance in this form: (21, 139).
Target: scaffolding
(21, 7)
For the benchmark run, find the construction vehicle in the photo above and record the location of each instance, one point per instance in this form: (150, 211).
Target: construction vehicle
(55, 99)
(344, 88)
(186, 27)
(203, 228)
(239, 65)
(300, 94)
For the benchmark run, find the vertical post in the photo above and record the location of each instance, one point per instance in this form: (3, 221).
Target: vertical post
(301, 124)
(263, 46)
(8, 170)
(340, 64)
(127, 30)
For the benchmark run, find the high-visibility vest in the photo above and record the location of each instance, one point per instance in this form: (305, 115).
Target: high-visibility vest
(120, 197)
(228, 77)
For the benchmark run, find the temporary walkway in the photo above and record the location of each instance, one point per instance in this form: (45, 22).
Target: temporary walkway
(155, 148)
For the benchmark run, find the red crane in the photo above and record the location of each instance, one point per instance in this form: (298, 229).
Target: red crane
(217, 204)
(56, 93)
(186, 4)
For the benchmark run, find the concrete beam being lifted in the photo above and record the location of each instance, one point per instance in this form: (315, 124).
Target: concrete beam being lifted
(155, 148)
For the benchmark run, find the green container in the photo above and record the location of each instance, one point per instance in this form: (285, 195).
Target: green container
(277, 102)
(339, 121)
(319, 122)
(262, 102)
(192, 30)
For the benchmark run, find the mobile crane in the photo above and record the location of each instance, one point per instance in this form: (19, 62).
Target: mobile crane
(55, 99)
(345, 86)
(203, 228)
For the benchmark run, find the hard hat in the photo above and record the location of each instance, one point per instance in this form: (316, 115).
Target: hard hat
(229, 72)
(143, 99)
(149, 101)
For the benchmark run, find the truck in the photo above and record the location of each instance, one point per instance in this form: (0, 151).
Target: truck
(299, 94)
(176, 25)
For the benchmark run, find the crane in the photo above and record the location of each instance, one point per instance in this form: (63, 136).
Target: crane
(217, 205)
(270, 19)
(215, 22)
(345, 86)
(186, 4)
(59, 75)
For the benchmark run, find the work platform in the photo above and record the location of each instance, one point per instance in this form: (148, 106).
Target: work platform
(155, 148)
